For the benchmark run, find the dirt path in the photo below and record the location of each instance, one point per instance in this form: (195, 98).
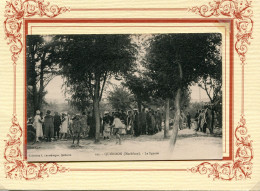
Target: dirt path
(190, 145)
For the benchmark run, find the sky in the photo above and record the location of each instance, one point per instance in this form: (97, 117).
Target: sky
(56, 93)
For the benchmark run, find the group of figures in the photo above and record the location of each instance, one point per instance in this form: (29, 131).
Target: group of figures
(132, 122)
(60, 127)
(147, 122)
(205, 119)
(50, 128)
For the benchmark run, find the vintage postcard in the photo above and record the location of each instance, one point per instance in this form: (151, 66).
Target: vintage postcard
(124, 97)
(129, 95)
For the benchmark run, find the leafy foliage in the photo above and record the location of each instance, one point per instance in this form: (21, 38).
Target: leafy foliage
(198, 56)
(121, 99)
(89, 60)
(41, 67)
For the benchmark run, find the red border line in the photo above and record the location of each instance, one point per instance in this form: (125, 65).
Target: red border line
(225, 88)
(86, 169)
(156, 20)
(129, 9)
(25, 94)
(105, 26)
(231, 95)
(127, 20)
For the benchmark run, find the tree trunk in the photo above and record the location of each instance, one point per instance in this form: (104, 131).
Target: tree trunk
(96, 108)
(176, 124)
(212, 120)
(35, 99)
(97, 120)
(41, 89)
(167, 118)
(139, 104)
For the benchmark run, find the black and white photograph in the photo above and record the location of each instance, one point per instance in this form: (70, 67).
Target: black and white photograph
(124, 97)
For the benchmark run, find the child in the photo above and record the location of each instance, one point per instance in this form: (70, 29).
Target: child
(76, 129)
(106, 122)
(117, 124)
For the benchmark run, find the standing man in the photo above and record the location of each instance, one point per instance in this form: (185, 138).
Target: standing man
(76, 128)
(196, 120)
(158, 119)
(200, 120)
(49, 126)
(91, 124)
(149, 122)
(84, 123)
(143, 122)
(153, 122)
(136, 124)
(129, 123)
(188, 119)
(57, 123)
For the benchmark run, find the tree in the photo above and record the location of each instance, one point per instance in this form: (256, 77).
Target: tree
(211, 82)
(41, 67)
(121, 99)
(79, 97)
(139, 86)
(92, 59)
(175, 61)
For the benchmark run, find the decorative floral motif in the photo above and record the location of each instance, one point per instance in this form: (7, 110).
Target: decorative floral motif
(15, 11)
(241, 166)
(241, 11)
(16, 167)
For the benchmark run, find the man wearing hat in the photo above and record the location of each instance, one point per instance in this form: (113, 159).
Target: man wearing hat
(49, 126)
(57, 123)
(76, 128)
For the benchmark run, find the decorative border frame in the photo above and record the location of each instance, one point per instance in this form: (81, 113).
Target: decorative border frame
(15, 12)
(241, 12)
(238, 10)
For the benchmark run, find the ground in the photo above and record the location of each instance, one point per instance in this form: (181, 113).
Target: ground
(190, 145)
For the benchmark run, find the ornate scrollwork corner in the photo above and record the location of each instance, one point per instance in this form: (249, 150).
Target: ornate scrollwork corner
(241, 11)
(238, 169)
(15, 11)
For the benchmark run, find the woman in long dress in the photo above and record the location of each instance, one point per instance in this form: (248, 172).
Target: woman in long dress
(107, 129)
(38, 125)
(64, 126)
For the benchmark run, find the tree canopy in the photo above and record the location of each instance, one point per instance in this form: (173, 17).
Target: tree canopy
(92, 59)
(42, 59)
(175, 61)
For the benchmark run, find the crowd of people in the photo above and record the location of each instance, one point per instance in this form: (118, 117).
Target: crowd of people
(205, 119)
(147, 122)
(58, 127)
(136, 123)
(50, 127)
